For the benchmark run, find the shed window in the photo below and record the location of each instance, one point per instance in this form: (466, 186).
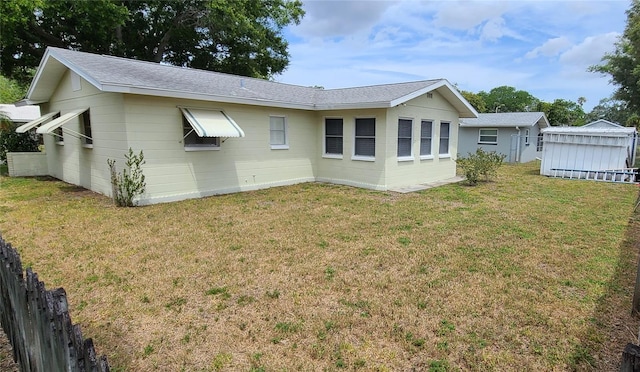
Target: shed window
(527, 132)
(365, 138)
(333, 136)
(488, 136)
(404, 137)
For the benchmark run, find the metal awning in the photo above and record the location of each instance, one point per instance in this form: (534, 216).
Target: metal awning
(34, 123)
(57, 123)
(211, 123)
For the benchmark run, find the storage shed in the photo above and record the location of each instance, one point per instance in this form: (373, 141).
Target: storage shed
(605, 153)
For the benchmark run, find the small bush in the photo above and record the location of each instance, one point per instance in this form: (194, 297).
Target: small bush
(482, 163)
(11, 141)
(130, 183)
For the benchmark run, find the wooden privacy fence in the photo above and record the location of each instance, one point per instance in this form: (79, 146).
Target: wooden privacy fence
(37, 322)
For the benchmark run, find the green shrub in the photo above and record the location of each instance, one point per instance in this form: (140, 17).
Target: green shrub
(11, 141)
(130, 183)
(482, 163)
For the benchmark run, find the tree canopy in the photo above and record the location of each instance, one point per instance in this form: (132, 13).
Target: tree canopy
(242, 37)
(508, 99)
(622, 64)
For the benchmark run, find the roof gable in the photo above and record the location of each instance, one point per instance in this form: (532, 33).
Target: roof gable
(115, 74)
(507, 120)
(601, 123)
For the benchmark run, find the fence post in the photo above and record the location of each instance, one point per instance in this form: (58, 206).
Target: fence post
(630, 359)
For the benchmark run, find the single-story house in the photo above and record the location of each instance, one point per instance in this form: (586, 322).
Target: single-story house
(600, 150)
(514, 134)
(205, 133)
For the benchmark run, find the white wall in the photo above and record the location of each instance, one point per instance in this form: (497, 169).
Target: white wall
(27, 164)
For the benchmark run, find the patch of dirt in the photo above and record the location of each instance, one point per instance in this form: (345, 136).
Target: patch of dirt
(6, 355)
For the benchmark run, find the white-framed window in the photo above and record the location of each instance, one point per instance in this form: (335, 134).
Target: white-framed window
(526, 137)
(426, 138)
(85, 126)
(193, 142)
(539, 142)
(405, 138)
(333, 136)
(365, 139)
(445, 128)
(488, 136)
(279, 138)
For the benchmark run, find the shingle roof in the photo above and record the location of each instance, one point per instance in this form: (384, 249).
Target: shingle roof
(507, 119)
(115, 74)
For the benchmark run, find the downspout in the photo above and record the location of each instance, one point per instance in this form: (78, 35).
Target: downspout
(518, 139)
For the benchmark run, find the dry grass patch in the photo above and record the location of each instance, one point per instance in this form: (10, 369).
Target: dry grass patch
(524, 273)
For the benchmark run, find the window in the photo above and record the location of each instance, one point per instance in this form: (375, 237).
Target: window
(444, 138)
(365, 138)
(278, 132)
(488, 136)
(526, 137)
(404, 137)
(539, 142)
(426, 135)
(85, 124)
(333, 136)
(192, 141)
(57, 134)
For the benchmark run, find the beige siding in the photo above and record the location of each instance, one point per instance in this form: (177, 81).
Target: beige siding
(417, 170)
(155, 126)
(73, 163)
(346, 170)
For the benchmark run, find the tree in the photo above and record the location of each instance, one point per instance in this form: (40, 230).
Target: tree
(475, 100)
(508, 99)
(10, 141)
(612, 110)
(11, 90)
(623, 64)
(563, 112)
(236, 36)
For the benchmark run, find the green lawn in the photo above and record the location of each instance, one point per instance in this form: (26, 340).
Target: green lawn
(522, 273)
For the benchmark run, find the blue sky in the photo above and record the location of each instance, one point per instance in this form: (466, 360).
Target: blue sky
(543, 47)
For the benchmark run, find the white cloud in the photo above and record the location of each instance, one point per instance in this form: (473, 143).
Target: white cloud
(331, 18)
(591, 50)
(467, 15)
(550, 48)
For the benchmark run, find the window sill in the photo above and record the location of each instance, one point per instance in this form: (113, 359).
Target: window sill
(201, 148)
(60, 143)
(363, 158)
(332, 156)
(444, 156)
(87, 145)
(279, 147)
(426, 157)
(405, 158)
(487, 143)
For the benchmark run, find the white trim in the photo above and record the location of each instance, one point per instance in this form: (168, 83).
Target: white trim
(332, 156)
(405, 158)
(427, 157)
(285, 125)
(56, 123)
(363, 158)
(480, 142)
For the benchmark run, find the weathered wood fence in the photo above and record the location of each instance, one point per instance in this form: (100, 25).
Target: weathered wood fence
(37, 322)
